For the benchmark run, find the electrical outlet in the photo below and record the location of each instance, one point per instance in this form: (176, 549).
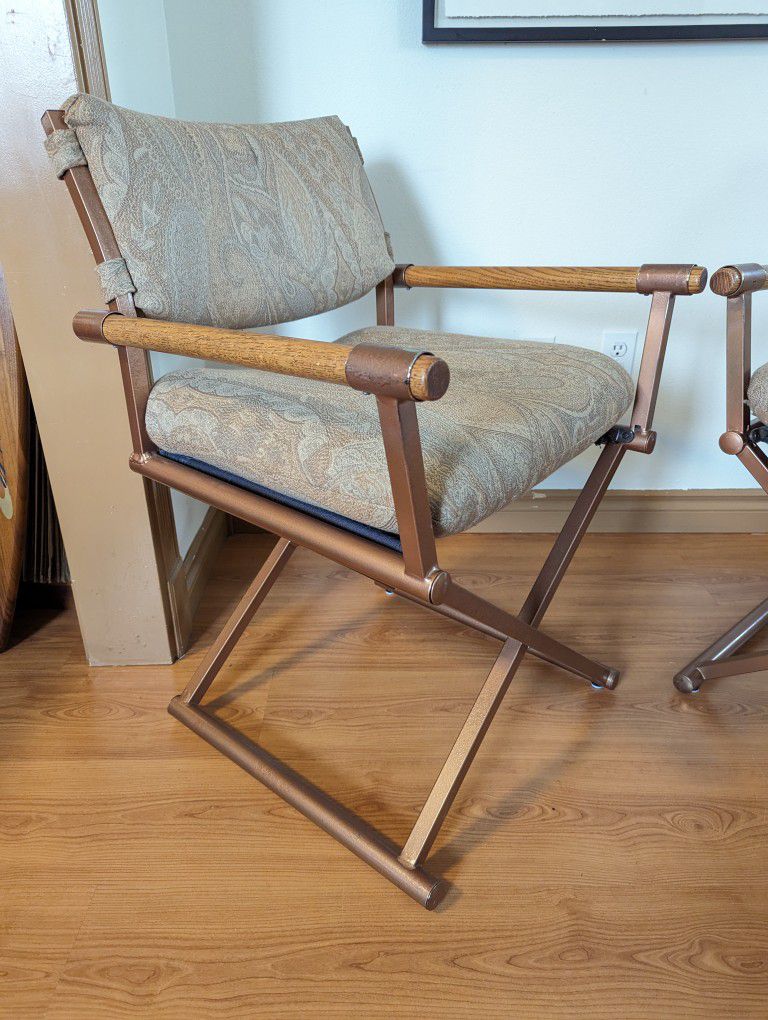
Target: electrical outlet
(621, 347)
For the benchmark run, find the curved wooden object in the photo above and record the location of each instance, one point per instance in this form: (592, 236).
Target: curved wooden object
(13, 464)
(384, 371)
(683, 279)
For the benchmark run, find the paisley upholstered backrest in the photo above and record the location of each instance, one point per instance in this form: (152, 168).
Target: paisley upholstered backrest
(231, 225)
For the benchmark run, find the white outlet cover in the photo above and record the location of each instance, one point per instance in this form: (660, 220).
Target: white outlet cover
(625, 340)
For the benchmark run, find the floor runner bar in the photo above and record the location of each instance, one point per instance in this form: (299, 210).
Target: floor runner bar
(345, 827)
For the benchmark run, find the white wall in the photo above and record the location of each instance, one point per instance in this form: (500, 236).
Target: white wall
(139, 72)
(136, 51)
(611, 154)
(211, 59)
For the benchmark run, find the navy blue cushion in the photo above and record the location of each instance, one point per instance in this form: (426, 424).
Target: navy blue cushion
(385, 538)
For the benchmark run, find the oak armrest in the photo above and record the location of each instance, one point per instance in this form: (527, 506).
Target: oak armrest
(385, 371)
(646, 279)
(731, 281)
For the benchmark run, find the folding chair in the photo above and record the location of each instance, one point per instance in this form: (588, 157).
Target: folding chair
(225, 227)
(745, 392)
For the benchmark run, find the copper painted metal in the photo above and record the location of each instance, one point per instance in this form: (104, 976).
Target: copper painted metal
(458, 762)
(738, 363)
(385, 302)
(365, 557)
(402, 445)
(391, 376)
(345, 827)
(567, 542)
(738, 665)
(672, 279)
(737, 283)
(690, 678)
(654, 349)
(731, 281)
(233, 629)
(472, 606)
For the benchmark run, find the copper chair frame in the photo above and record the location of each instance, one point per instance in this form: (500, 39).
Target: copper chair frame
(397, 380)
(742, 433)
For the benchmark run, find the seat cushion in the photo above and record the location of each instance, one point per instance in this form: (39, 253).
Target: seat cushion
(758, 393)
(514, 412)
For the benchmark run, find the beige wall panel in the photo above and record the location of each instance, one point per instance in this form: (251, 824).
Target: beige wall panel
(75, 387)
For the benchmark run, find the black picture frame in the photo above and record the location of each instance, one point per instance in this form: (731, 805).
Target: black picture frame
(613, 33)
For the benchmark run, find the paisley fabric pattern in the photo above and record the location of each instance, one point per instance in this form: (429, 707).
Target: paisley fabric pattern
(514, 412)
(64, 151)
(234, 225)
(115, 279)
(758, 393)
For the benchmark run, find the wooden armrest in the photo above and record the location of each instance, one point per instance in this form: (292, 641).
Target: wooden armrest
(731, 281)
(385, 371)
(673, 279)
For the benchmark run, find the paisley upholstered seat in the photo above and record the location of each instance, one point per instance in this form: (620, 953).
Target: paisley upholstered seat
(758, 393)
(541, 405)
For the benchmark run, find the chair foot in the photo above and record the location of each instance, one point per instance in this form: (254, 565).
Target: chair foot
(721, 659)
(611, 680)
(687, 684)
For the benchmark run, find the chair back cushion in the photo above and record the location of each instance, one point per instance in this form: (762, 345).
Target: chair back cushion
(234, 225)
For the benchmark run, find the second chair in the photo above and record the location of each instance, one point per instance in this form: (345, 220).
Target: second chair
(746, 426)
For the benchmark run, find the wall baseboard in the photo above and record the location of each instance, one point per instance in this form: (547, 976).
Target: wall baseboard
(629, 510)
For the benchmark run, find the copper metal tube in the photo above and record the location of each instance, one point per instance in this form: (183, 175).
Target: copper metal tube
(735, 666)
(368, 558)
(353, 833)
(222, 647)
(690, 677)
(458, 762)
(731, 281)
(654, 350)
(672, 279)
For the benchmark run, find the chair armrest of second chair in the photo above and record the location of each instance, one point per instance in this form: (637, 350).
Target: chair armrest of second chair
(732, 281)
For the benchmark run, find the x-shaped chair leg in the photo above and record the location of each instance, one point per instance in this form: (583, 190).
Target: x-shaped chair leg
(720, 659)
(492, 693)
(519, 634)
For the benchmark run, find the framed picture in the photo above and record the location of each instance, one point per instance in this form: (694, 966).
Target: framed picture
(461, 21)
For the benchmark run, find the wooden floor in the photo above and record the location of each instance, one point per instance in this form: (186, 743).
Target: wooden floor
(608, 852)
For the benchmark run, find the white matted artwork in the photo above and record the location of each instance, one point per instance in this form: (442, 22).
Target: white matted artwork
(528, 20)
(529, 9)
